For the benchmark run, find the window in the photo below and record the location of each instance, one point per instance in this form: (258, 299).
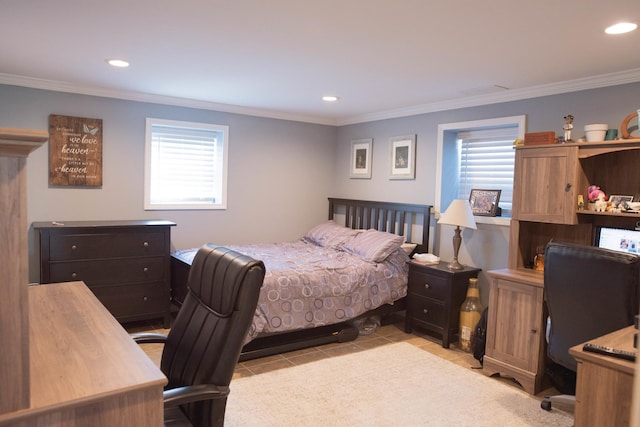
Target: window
(185, 165)
(478, 155)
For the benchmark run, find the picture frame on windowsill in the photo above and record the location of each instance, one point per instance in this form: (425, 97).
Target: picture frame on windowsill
(485, 202)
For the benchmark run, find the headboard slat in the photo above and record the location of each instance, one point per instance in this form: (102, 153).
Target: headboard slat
(396, 218)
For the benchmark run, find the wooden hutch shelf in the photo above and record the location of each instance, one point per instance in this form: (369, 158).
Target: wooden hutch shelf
(547, 182)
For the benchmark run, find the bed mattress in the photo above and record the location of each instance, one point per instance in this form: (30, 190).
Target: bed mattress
(307, 285)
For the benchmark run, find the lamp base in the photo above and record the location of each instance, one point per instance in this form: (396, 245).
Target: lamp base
(455, 265)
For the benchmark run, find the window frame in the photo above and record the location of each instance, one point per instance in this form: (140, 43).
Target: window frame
(456, 127)
(223, 129)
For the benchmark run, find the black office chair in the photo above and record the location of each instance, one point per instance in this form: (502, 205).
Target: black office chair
(203, 346)
(589, 292)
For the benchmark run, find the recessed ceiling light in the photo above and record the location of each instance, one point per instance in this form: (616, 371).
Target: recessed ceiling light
(118, 63)
(621, 28)
(330, 98)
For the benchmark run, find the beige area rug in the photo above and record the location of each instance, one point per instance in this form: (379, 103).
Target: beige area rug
(393, 385)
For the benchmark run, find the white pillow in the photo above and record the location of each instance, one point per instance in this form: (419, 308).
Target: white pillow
(408, 247)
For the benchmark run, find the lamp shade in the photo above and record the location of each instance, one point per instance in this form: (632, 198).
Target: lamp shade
(458, 213)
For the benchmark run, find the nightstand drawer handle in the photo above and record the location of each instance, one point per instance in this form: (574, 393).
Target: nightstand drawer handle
(145, 298)
(427, 286)
(74, 275)
(145, 244)
(425, 311)
(74, 247)
(146, 269)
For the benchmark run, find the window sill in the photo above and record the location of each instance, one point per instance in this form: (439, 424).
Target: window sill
(502, 221)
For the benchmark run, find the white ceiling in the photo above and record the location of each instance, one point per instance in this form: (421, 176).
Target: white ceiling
(276, 58)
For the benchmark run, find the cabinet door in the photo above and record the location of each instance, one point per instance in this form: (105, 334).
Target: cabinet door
(514, 330)
(545, 181)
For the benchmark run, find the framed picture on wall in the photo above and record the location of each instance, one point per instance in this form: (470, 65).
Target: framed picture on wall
(403, 157)
(485, 202)
(361, 158)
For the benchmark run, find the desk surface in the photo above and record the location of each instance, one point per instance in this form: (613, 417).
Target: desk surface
(604, 383)
(621, 339)
(81, 357)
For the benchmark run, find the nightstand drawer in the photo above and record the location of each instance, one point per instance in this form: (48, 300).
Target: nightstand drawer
(110, 271)
(434, 296)
(428, 285)
(105, 245)
(426, 311)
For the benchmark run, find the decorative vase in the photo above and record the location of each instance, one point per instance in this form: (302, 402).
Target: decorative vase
(470, 312)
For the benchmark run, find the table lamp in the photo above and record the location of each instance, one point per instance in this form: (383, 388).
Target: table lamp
(459, 214)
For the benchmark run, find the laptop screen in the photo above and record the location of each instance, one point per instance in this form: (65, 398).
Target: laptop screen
(618, 239)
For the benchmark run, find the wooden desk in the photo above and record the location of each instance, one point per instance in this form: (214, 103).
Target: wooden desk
(84, 368)
(604, 386)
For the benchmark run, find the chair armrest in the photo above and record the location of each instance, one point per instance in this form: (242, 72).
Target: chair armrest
(182, 395)
(149, 338)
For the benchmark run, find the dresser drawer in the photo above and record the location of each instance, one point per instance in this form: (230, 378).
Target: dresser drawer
(426, 312)
(110, 271)
(428, 285)
(105, 245)
(127, 302)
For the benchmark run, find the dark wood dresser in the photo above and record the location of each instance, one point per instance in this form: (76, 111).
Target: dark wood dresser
(124, 263)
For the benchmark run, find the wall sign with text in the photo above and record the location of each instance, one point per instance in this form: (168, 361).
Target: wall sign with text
(75, 151)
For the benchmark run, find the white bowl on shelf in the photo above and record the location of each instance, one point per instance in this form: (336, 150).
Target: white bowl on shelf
(595, 132)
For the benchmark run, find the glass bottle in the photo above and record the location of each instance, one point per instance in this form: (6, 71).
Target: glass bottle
(470, 312)
(538, 260)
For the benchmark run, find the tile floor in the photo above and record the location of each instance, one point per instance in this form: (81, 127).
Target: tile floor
(391, 331)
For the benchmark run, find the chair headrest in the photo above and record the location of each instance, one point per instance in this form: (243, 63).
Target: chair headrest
(217, 274)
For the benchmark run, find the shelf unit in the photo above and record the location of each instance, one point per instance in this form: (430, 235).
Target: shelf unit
(547, 182)
(15, 147)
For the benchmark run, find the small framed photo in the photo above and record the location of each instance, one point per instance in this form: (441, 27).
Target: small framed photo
(484, 202)
(403, 157)
(616, 200)
(361, 158)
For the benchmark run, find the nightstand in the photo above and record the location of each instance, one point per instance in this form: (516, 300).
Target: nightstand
(434, 297)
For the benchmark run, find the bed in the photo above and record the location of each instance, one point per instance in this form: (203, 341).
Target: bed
(350, 267)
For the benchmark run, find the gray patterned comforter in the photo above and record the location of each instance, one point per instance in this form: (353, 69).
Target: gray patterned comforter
(307, 285)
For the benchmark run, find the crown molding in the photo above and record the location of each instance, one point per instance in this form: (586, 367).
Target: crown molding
(594, 82)
(58, 86)
(603, 80)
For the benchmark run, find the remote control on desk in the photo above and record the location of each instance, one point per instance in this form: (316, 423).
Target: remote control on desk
(610, 351)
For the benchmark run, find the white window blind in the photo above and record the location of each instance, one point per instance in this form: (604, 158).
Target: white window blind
(486, 162)
(185, 165)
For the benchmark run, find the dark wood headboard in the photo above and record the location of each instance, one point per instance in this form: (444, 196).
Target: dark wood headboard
(396, 218)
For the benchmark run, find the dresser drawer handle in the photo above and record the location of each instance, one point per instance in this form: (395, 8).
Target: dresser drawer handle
(427, 286)
(145, 244)
(145, 298)
(74, 275)
(146, 269)
(425, 311)
(74, 247)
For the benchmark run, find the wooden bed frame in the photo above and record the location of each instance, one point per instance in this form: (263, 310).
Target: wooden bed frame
(396, 218)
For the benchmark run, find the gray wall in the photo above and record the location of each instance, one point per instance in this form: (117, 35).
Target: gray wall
(280, 172)
(487, 247)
